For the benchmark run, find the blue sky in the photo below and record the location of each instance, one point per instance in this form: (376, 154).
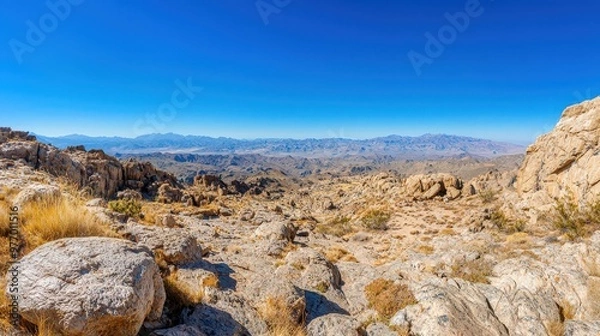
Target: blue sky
(317, 69)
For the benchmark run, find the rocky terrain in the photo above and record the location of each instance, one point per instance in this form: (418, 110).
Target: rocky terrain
(232, 167)
(388, 252)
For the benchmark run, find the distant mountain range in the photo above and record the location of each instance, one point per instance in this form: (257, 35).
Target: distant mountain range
(425, 146)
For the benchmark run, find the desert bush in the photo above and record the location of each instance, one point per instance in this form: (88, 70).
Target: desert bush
(574, 220)
(338, 226)
(50, 220)
(376, 219)
(477, 270)
(505, 224)
(280, 318)
(387, 297)
(129, 207)
(487, 195)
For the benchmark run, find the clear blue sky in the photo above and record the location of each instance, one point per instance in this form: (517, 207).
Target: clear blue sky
(317, 69)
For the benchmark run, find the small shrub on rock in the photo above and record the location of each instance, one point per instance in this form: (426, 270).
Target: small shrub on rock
(129, 207)
(376, 220)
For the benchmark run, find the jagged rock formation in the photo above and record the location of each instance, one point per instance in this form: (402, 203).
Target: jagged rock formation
(102, 175)
(566, 160)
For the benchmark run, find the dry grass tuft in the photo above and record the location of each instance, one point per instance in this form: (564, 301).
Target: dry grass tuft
(593, 292)
(401, 330)
(387, 297)
(376, 219)
(448, 232)
(487, 195)
(211, 281)
(574, 220)
(337, 253)
(5, 325)
(506, 224)
(4, 219)
(50, 220)
(567, 310)
(338, 226)
(555, 328)
(425, 249)
(519, 238)
(281, 319)
(473, 271)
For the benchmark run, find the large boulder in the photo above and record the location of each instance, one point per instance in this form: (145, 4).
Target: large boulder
(90, 286)
(429, 186)
(333, 325)
(566, 160)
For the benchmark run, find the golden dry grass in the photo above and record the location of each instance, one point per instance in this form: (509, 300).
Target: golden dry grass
(337, 253)
(519, 238)
(211, 281)
(425, 249)
(280, 318)
(338, 226)
(50, 220)
(4, 219)
(387, 298)
(5, 325)
(593, 292)
(448, 232)
(401, 330)
(555, 328)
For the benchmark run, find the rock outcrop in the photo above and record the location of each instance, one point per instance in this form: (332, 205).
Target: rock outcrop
(90, 286)
(566, 160)
(100, 174)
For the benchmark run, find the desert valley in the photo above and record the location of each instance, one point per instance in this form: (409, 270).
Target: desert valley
(434, 235)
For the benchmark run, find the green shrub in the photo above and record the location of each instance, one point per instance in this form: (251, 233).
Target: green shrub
(376, 220)
(129, 207)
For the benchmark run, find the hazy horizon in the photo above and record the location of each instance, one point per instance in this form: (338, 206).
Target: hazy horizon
(270, 138)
